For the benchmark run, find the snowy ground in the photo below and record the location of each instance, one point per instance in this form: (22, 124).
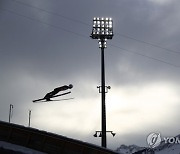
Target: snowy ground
(18, 148)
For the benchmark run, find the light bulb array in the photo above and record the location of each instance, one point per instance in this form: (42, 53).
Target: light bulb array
(102, 28)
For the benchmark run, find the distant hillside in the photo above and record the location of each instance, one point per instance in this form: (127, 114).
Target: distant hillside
(163, 148)
(167, 148)
(123, 149)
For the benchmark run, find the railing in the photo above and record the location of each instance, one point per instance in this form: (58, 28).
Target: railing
(46, 142)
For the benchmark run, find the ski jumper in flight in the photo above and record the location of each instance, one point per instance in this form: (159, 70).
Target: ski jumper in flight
(57, 90)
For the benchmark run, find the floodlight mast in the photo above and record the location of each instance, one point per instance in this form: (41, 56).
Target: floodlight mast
(102, 30)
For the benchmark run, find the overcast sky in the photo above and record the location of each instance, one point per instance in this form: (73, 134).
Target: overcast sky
(45, 44)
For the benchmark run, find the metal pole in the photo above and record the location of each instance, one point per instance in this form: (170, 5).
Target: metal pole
(103, 139)
(10, 112)
(29, 118)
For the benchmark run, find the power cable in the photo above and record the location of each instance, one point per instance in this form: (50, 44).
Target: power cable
(52, 13)
(42, 22)
(84, 23)
(140, 54)
(84, 36)
(148, 43)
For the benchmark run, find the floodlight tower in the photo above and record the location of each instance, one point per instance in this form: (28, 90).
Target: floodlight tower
(102, 30)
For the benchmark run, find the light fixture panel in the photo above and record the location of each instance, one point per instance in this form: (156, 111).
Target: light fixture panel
(102, 28)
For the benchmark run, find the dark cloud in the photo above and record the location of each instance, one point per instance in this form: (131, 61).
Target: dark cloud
(45, 44)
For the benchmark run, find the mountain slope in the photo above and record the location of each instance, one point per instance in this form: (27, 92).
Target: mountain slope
(123, 149)
(163, 148)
